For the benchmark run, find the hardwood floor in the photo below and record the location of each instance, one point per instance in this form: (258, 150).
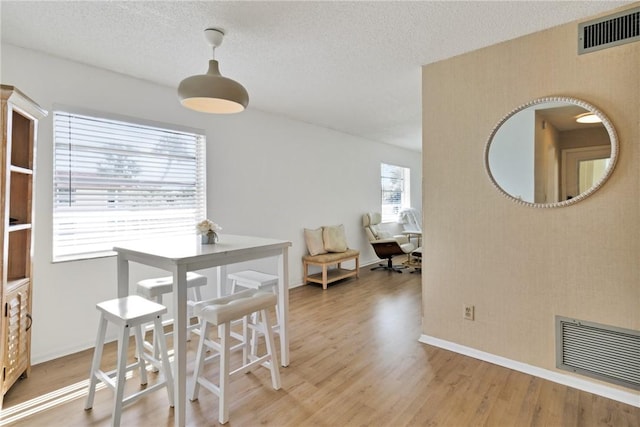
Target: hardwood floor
(355, 361)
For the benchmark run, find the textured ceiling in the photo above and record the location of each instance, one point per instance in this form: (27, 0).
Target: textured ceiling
(349, 66)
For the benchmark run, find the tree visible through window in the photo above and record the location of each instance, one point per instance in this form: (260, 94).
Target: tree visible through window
(395, 191)
(117, 181)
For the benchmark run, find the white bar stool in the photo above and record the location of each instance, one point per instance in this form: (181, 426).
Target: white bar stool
(221, 312)
(252, 279)
(155, 288)
(126, 313)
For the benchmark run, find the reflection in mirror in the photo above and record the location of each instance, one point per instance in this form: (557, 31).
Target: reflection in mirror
(590, 172)
(541, 155)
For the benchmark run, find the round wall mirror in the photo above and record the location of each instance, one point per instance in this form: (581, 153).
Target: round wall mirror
(551, 152)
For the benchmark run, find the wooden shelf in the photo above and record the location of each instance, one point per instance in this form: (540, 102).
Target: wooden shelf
(333, 274)
(20, 192)
(18, 227)
(19, 114)
(18, 169)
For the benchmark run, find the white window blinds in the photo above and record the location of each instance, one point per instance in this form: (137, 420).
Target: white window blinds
(395, 191)
(116, 181)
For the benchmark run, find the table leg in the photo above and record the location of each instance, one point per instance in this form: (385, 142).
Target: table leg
(123, 276)
(283, 306)
(180, 344)
(222, 288)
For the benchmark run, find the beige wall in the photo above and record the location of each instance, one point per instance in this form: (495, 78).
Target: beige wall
(580, 138)
(521, 266)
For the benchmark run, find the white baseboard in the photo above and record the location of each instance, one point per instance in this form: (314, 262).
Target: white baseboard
(82, 347)
(630, 398)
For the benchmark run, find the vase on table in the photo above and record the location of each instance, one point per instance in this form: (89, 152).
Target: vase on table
(209, 238)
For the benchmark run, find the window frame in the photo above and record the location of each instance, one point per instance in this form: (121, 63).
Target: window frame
(405, 192)
(177, 219)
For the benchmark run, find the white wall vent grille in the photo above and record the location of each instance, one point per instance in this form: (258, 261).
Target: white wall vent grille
(604, 352)
(609, 31)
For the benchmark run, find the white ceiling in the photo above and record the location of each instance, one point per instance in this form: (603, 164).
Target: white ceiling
(349, 66)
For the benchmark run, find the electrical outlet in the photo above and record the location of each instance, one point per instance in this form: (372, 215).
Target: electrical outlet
(468, 312)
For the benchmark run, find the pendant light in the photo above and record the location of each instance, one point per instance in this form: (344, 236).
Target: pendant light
(211, 92)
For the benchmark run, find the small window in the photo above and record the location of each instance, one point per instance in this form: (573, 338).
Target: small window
(395, 191)
(117, 181)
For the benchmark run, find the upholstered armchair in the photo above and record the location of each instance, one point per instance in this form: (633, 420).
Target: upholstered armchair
(385, 245)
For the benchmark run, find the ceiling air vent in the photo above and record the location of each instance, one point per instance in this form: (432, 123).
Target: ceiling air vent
(609, 31)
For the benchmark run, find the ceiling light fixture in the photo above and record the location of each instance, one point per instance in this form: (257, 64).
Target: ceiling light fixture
(211, 92)
(588, 118)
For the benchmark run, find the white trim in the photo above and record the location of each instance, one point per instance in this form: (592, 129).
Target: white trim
(127, 119)
(584, 153)
(629, 398)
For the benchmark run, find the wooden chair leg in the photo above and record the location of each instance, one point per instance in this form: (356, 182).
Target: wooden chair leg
(306, 272)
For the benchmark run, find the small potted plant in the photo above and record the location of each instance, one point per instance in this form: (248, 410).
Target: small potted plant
(208, 231)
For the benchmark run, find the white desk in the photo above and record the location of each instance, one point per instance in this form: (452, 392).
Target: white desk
(179, 255)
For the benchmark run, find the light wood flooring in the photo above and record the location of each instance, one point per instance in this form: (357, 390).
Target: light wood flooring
(355, 361)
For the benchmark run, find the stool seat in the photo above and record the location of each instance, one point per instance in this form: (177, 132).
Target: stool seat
(129, 313)
(131, 309)
(253, 279)
(153, 288)
(235, 306)
(221, 312)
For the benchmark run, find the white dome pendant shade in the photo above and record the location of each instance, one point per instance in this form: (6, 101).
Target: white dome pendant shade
(211, 92)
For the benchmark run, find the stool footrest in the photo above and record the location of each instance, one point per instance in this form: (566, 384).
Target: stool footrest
(213, 388)
(106, 378)
(259, 361)
(138, 394)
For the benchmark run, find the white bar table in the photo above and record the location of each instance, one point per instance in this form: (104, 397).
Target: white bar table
(183, 254)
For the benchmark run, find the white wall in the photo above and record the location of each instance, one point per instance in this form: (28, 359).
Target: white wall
(266, 176)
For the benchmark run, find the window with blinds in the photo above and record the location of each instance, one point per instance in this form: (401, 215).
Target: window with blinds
(395, 191)
(117, 181)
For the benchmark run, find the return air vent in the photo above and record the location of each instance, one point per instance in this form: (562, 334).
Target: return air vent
(604, 352)
(609, 31)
